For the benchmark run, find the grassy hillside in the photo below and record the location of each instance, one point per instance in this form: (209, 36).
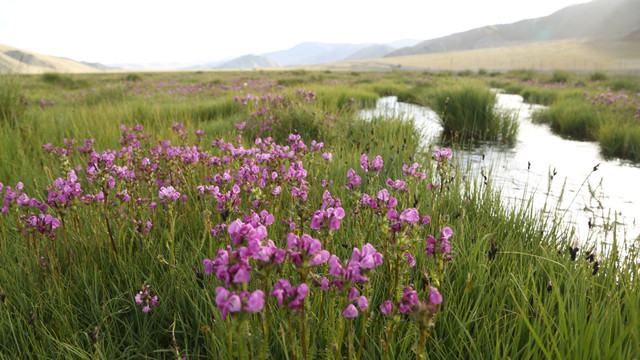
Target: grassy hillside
(13, 60)
(577, 55)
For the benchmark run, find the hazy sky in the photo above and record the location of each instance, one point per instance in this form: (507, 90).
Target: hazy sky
(142, 31)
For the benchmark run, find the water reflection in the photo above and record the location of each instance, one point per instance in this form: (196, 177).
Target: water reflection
(540, 166)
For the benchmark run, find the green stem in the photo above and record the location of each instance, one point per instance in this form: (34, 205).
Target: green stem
(422, 350)
(341, 331)
(362, 332)
(172, 243)
(388, 340)
(265, 345)
(229, 340)
(303, 334)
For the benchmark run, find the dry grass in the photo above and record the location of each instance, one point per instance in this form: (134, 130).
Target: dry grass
(576, 55)
(10, 64)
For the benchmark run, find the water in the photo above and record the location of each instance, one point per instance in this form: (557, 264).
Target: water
(525, 171)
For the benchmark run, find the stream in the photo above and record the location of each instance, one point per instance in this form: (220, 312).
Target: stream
(526, 171)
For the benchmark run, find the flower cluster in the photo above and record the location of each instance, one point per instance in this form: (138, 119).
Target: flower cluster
(233, 302)
(307, 251)
(410, 303)
(144, 298)
(443, 245)
(293, 296)
(375, 165)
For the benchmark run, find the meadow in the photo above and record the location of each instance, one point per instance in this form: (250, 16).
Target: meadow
(597, 106)
(236, 215)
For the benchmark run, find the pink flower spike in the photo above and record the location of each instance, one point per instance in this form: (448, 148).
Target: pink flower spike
(255, 302)
(434, 296)
(386, 307)
(350, 312)
(363, 303)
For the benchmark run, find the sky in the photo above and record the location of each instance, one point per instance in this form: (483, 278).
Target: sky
(191, 31)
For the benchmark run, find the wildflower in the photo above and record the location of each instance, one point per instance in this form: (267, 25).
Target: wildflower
(434, 296)
(293, 295)
(350, 312)
(143, 297)
(410, 259)
(377, 163)
(168, 193)
(306, 249)
(386, 307)
(410, 215)
(364, 162)
(354, 179)
(409, 300)
(330, 218)
(443, 153)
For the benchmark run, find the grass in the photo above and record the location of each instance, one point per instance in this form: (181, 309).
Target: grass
(469, 112)
(12, 106)
(574, 118)
(595, 107)
(506, 294)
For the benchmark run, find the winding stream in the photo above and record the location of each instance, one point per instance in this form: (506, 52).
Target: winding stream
(525, 171)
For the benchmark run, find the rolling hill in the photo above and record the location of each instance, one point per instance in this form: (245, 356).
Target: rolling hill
(14, 60)
(596, 19)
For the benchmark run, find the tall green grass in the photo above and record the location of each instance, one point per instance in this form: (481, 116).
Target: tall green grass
(515, 288)
(469, 112)
(574, 118)
(620, 140)
(12, 100)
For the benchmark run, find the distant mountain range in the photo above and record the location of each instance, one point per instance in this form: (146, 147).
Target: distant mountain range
(596, 19)
(311, 53)
(614, 24)
(249, 62)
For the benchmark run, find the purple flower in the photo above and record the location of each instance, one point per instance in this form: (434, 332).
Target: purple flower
(227, 301)
(364, 162)
(410, 215)
(446, 233)
(434, 297)
(169, 193)
(362, 303)
(294, 296)
(431, 245)
(410, 259)
(386, 307)
(306, 249)
(409, 300)
(376, 164)
(350, 312)
(443, 153)
(144, 298)
(255, 301)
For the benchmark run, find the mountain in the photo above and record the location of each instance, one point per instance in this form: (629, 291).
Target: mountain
(403, 43)
(370, 52)
(314, 53)
(596, 19)
(22, 61)
(249, 62)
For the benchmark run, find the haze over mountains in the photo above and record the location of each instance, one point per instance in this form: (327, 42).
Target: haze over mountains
(610, 24)
(596, 19)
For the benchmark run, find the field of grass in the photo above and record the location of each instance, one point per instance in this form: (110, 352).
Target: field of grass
(595, 107)
(253, 215)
